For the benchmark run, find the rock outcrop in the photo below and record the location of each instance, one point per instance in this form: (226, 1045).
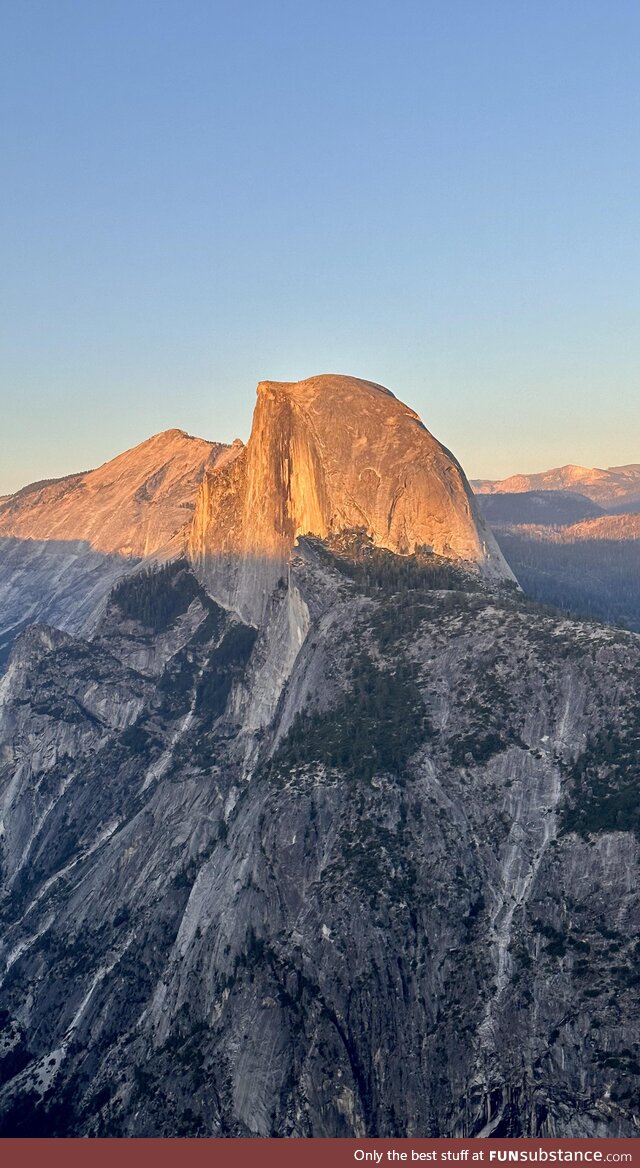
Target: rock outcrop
(328, 454)
(130, 506)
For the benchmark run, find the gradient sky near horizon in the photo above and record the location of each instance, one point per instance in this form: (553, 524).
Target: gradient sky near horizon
(439, 195)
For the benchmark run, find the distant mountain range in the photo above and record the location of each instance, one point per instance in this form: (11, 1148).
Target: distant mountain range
(572, 537)
(548, 507)
(615, 487)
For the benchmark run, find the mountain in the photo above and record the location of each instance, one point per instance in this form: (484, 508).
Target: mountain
(552, 508)
(363, 865)
(64, 542)
(615, 487)
(571, 536)
(130, 506)
(328, 454)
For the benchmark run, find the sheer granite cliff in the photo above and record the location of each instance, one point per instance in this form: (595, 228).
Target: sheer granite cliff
(328, 454)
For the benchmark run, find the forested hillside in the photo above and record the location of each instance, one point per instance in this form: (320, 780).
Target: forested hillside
(590, 568)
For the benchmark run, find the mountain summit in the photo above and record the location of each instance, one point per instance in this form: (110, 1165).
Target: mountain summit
(64, 542)
(614, 488)
(130, 506)
(328, 454)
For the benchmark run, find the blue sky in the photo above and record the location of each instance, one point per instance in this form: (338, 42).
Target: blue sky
(440, 196)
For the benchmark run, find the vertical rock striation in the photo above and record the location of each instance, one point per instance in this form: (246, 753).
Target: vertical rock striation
(328, 454)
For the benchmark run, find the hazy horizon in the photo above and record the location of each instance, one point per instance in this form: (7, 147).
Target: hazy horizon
(79, 469)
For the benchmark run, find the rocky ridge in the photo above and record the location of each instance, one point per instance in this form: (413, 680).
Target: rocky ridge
(615, 487)
(64, 543)
(130, 506)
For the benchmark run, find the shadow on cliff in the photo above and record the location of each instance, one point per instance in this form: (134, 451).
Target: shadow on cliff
(64, 583)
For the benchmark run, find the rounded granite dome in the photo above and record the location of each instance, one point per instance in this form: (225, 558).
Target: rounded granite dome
(328, 454)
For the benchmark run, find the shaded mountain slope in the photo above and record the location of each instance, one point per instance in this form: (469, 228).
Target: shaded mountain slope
(590, 568)
(553, 508)
(64, 542)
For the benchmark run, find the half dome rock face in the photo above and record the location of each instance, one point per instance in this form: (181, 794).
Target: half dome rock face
(328, 454)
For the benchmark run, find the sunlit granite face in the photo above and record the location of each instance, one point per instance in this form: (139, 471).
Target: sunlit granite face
(129, 506)
(328, 454)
